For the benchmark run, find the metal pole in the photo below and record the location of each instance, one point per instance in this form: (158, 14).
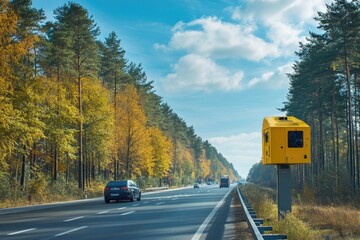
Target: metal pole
(283, 189)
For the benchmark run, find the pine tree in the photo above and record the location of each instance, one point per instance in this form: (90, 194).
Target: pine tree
(113, 65)
(81, 29)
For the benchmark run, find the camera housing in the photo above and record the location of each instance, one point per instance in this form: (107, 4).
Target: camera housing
(285, 140)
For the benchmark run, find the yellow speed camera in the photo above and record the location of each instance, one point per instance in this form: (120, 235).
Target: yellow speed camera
(285, 140)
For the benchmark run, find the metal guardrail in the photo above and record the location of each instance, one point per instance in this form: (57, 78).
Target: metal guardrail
(155, 189)
(256, 223)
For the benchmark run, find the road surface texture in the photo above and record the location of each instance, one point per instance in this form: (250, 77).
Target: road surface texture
(209, 212)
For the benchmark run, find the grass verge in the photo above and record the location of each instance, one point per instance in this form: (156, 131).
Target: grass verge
(306, 222)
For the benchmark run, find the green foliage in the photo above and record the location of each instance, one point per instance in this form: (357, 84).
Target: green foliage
(324, 93)
(5, 186)
(263, 174)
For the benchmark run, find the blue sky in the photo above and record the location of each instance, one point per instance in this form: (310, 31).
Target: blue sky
(221, 65)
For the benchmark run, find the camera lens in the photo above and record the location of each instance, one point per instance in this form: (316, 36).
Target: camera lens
(295, 139)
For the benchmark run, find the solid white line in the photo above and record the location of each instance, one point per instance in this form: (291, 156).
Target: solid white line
(127, 213)
(102, 212)
(120, 208)
(201, 229)
(160, 203)
(22, 231)
(72, 219)
(70, 231)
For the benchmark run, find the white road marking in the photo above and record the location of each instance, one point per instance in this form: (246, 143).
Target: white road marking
(201, 229)
(127, 213)
(146, 202)
(121, 208)
(72, 219)
(70, 231)
(135, 205)
(160, 203)
(102, 212)
(174, 199)
(22, 231)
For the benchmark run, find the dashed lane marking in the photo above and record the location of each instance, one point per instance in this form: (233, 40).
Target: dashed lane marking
(127, 213)
(22, 231)
(102, 212)
(70, 231)
(72, 219)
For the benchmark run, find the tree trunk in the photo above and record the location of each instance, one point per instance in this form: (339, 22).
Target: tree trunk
(116, 138)
(80, 151)
(356, 132)
(350, 121)
(23, 172)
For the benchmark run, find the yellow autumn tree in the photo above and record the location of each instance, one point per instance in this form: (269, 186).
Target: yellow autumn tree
(162, 153)
(8, 53)
(15, 129)
(60, 117)
(185, 165)
(204, 164)
(134, 140)
(98, 127)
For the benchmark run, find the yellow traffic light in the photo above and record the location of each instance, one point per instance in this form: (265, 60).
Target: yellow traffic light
(285, 140)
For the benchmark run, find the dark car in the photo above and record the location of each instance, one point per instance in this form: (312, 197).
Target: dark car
(120, 190)
(224, 181)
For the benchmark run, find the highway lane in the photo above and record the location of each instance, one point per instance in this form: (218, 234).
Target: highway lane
(178, 214)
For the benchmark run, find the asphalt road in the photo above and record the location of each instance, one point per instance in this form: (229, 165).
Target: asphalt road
(194, 214)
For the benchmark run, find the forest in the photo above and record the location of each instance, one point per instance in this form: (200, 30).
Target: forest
(324, 92)
(75, 112)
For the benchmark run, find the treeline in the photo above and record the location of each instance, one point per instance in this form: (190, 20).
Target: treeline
(74, 109)
(324, 92)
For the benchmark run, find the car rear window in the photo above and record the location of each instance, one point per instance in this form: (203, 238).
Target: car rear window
(117, 184)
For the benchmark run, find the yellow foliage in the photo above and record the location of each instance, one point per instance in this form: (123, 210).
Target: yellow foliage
(205, 169)
(98, 116)
(17, 125)
(185, 161)
(162, 152)
(10, 52)
(132, 136)
(294, 228)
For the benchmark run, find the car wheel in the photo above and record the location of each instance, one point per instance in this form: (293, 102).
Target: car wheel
(132, 197)
(139, 198)
(107, 200)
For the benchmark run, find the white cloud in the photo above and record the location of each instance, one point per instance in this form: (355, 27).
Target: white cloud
(260, 32)
(265, 77)
(200, 73)
(214, 38)
(285, 36)
(243, 150)
(285, 22)
(276, 79)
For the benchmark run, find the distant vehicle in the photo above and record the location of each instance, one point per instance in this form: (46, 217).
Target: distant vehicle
(209, 183)
(119, 190)
(196, 185)
(224, 181)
